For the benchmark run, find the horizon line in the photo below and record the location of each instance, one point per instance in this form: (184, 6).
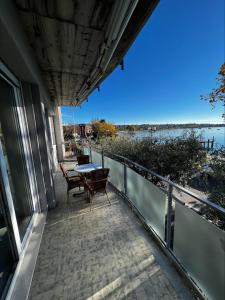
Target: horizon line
(189, 123)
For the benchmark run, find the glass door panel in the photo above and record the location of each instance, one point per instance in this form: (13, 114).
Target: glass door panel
(7, 254)
(11, 140)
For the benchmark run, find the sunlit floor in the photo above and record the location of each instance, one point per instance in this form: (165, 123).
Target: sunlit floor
(104, 253)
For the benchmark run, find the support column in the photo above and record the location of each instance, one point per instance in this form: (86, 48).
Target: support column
(53, 143)
(59, 134)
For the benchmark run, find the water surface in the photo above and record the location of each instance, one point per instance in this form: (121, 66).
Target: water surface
(218, 133)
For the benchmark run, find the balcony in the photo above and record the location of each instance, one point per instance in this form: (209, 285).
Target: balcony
(107, 253)
(131, 249)
(104, 253)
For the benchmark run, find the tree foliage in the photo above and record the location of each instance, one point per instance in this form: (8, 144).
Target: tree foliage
(176, 158)
(68, 132)
(217, 94)
(130, 128)
(103, 129)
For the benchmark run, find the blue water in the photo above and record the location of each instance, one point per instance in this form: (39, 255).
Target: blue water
(217, 132)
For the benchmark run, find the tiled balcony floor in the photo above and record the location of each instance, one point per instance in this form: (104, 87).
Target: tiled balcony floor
(100, 254)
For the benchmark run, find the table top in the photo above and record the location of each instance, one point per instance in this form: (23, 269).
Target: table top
(86, 168)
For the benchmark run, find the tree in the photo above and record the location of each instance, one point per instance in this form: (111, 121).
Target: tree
(130, 128)
(68, 132)
(103, 129)
(217, 94)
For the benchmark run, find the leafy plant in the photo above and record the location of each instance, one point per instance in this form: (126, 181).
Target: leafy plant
(216, 181)
(175, 158)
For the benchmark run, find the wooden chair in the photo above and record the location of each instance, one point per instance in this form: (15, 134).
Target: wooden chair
(82, 159)
(72, 181)
(69, 172)
(97, 183)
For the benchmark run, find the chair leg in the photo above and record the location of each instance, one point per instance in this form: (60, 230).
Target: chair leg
(68, 195)
(108, 198)
(91, 198)
(88, 195)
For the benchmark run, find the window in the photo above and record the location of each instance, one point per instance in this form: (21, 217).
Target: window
(15, 157)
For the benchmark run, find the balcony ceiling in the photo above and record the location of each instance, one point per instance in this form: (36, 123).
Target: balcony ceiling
(78, 43)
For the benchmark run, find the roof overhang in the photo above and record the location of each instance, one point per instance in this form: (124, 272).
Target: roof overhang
(78, 43)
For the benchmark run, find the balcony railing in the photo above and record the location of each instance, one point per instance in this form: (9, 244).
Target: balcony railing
(196, 245)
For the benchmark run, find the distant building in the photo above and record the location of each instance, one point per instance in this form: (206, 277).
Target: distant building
(152, 128)
(78, 130)
(85, 130)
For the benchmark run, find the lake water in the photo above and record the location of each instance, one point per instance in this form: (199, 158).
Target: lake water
(207, 133)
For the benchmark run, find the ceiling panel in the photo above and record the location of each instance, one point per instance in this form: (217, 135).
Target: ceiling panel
(68, 38)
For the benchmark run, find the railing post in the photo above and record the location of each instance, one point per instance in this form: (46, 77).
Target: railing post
(169, 217)
(102, 159)
(125, 178)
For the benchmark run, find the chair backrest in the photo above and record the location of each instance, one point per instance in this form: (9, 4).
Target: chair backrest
(82, 159)
(99, 179)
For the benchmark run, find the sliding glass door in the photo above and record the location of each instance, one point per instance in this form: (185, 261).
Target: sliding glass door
(15, 157)
(8, 256)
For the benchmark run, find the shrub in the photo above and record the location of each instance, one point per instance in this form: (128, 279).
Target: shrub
(175, 158)
(216, 180)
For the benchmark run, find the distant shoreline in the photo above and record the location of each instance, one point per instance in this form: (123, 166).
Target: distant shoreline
(156, 127)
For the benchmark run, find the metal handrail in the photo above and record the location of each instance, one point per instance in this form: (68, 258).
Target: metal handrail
(168, 239)
(169, 182)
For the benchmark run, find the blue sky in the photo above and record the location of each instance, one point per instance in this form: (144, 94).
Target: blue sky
(174, 60)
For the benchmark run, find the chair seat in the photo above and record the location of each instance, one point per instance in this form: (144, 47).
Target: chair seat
(74, 182)
(75, 179)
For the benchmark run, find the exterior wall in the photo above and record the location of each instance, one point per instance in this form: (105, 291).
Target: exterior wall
(18, 66)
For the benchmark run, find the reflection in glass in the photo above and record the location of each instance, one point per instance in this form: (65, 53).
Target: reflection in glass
(12, 143)
(7, 258)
